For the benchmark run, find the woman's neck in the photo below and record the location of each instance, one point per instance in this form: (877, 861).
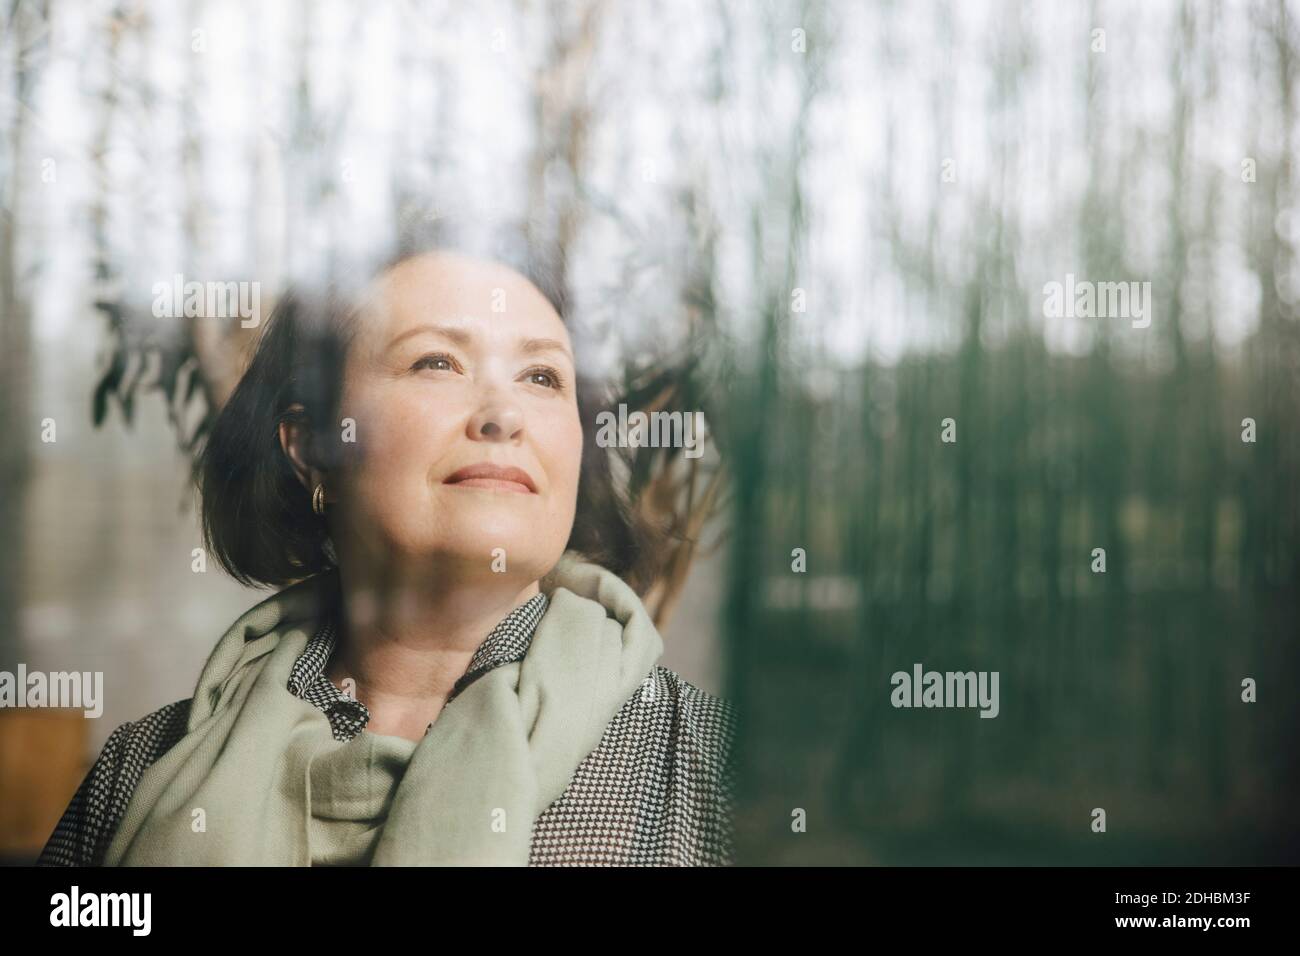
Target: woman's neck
(405, 640)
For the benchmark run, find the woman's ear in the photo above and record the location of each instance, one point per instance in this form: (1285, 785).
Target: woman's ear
(295, 440)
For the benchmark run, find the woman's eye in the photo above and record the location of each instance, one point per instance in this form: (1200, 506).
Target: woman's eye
(546, 377)
(436, 362)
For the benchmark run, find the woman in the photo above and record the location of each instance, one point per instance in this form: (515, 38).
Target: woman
(410, 463)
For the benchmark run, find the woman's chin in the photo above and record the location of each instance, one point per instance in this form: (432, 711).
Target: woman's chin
(488, 536)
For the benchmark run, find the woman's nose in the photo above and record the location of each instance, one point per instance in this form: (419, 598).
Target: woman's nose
(497, 421)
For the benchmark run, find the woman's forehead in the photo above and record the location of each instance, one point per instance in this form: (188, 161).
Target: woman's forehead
(447, 285)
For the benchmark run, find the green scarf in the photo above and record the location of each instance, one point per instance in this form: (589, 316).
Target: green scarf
(259, 780)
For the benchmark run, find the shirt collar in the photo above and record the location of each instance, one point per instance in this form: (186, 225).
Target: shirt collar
(507, 642)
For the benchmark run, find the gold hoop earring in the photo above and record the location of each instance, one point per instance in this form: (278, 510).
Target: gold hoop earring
(318, 500)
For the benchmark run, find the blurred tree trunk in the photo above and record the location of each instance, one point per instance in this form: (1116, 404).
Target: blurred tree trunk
(27, 29)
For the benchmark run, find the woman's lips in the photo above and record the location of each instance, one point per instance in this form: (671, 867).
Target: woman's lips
(491, 483)
(494, 477)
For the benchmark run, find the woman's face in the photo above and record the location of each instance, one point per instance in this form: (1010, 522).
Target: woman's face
(460, 380)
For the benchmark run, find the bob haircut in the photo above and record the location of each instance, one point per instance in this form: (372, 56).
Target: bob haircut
(257, 517)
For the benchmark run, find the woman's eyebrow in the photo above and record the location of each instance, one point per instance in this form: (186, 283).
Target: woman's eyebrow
(531, 346)
(454, 333)
(463, 337)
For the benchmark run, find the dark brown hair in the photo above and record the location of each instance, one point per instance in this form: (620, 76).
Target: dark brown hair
(257, 517)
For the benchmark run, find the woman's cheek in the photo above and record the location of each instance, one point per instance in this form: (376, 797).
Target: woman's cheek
(403, 431)
(562, 458)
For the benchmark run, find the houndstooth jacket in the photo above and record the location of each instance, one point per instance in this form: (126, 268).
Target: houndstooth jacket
(656, 791)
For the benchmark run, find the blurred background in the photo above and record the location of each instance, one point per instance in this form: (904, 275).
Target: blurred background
(829, 226)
